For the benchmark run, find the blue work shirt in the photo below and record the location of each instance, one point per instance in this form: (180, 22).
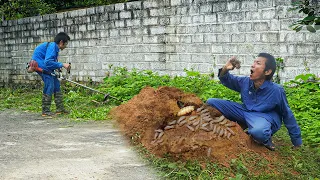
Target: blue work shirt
(46, 56)
(268, 99)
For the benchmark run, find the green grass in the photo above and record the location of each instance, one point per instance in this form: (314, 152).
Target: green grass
(302, 163)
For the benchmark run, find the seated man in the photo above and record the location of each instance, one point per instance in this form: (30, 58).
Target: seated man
(264, 104)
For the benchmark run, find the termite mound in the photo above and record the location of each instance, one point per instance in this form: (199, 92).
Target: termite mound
(154, 119)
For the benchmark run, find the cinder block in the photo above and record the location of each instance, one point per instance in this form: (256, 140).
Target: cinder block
(210, 18)
(119, 7)
(133, 22)
(206, 9)
(270, 37)
(210, 38)
(220, 7)
(234, 5)
(134, 5)
(186, 19)
(238, 38)
(125, 15)
(150, 21)
(251, 5)
(175, 2)
(125, 32)
(260, 26)
(158, 66)
(265, 4)
(268, 14)
(217, 49)
(157, 30)
(223, 38)
(197, 19)
(150, 4)
(197, 38)
(157, 12)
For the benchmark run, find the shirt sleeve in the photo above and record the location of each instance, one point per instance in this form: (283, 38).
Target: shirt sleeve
(230, 81)
(51, 57)
(289, 120)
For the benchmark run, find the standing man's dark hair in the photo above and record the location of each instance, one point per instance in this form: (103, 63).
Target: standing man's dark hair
(270, 64)
(62, 36)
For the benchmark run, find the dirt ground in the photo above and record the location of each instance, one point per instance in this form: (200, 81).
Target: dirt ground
(168, 121)
(35, 148)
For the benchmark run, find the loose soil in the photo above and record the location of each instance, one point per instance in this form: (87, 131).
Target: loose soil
(153, 110)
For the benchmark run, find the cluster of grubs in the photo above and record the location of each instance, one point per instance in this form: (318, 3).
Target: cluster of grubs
(201, 121)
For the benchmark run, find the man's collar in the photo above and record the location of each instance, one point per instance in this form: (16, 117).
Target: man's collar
(264, 85)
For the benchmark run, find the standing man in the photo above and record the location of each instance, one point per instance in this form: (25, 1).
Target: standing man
(264, 104)
(46, 55)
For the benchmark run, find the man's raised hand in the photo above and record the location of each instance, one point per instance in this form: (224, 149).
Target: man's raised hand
(232, 63)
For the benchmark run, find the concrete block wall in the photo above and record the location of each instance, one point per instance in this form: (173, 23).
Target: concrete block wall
(165, 36)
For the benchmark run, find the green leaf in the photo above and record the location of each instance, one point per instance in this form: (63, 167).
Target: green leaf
(311, 28)
(309, 18)
(298, 28)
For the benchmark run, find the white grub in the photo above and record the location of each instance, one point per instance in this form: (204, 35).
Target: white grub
(205, 114)
(181, 119)
(221, 118)
(228, 135)
(214, 128)
(224, 122)
(209, 152)
(217, 130)
(200, 109)
(205, 129)
(207, 119)
(221, 132)
(182, 122)
(156, 135)
(231, 131)
(185, 110)
(204, 124)
(160, 141)
(160, 135)
(158, 130)
(218, 119)
(191, 118)
(196, 123)
(172, 122)
(225, 133)
(230, 124)
(204, 111)
(168, 127)
(197, 127)
(190, 127)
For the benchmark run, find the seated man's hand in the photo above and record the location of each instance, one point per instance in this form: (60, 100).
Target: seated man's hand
(232, 63)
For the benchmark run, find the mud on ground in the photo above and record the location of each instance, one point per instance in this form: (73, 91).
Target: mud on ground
(151, 118)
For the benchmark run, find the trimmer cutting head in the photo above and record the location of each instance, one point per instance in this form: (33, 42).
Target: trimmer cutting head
(105, 99)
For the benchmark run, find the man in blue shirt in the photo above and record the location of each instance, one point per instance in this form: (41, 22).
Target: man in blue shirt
(46, 55)
(264, 104)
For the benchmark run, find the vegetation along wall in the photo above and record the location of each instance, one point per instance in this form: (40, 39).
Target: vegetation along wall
(165, 36)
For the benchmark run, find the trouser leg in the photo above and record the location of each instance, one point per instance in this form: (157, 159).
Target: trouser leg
(46, 104)
(58, 99)
(231, 110)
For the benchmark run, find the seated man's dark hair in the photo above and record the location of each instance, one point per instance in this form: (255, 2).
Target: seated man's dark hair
(62, 36)
(270, 64)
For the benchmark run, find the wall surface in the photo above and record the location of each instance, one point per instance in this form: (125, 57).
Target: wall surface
(166, 36)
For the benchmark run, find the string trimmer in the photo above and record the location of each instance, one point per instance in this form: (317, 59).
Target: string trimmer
(106, 96)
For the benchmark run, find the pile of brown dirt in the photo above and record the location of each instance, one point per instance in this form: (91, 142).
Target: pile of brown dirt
(151, 118)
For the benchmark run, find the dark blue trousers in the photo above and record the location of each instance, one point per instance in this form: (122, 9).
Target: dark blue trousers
(260, 125)
(51, 84)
